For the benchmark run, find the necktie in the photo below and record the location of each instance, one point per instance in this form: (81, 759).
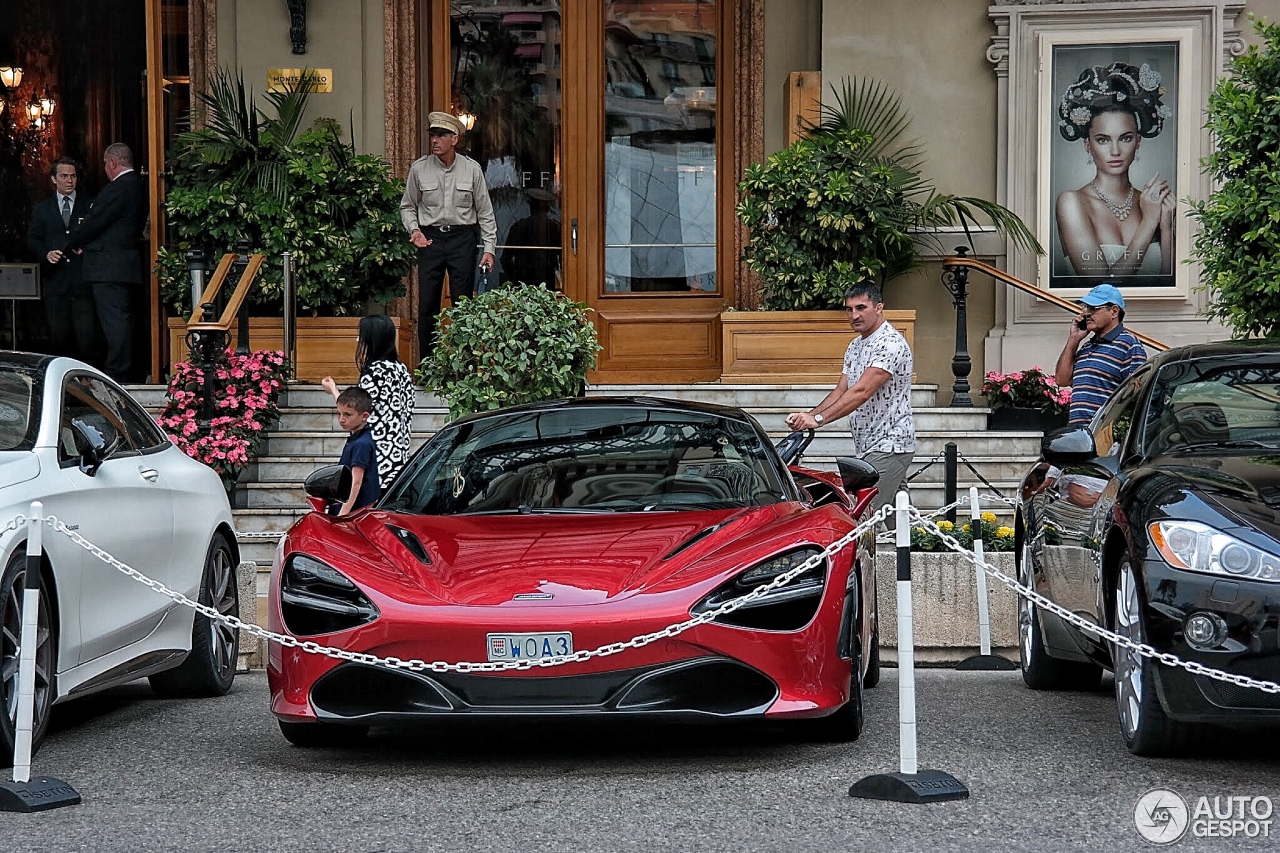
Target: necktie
(66, 211)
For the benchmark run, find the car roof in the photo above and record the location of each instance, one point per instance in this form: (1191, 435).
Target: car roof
(1225, 350)
(12, 360)
(582, 403)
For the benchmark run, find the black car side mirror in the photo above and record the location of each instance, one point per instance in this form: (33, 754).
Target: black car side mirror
(97, 446)
(792, 446)
(1068, 446)
(330, 483)
(856, 474)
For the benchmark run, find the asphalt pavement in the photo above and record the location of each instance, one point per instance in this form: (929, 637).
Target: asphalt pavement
(1046, 772)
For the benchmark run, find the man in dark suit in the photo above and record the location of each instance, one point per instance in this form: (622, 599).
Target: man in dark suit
(68, 302)
(109, 239)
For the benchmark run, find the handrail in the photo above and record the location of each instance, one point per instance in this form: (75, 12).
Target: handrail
(223, 323)
(1040, 293)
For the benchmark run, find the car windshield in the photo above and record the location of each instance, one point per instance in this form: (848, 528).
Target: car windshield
(592, 459)
(19, 407)
(1202, 406)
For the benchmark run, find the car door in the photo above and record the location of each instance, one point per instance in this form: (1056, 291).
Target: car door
(1078, 506)
(124, 508)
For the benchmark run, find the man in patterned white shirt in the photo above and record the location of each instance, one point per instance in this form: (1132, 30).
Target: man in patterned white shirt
(874, 391)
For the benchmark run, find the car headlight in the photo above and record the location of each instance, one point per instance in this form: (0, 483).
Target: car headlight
(1198, 547)
(788, 608)
(316, 598)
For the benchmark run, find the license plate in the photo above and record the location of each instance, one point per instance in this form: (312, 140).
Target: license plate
(509, 647)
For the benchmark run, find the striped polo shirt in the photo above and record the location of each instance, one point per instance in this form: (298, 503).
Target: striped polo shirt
(1102, 363)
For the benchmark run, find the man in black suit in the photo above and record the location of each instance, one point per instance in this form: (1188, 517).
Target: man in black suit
(109, 239)
(68, 302)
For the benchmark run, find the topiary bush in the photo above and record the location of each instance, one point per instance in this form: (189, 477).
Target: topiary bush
(846, 205)
(521, 343)
(1238, 241)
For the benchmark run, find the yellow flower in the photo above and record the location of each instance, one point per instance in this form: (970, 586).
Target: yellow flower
(967, 529)
(946, 526)
(989, 517)
(1004, 533)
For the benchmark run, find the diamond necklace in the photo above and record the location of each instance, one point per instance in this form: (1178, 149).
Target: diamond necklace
(1121, 211)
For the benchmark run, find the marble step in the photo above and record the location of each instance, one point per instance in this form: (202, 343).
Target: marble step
(926, 419)
(325, 419)
(750, 397)
(969, 443)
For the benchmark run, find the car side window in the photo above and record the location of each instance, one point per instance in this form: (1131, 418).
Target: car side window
(85, 399)
(1110, 426)
(142, 430)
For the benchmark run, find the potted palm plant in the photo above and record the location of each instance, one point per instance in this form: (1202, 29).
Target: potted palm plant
(258, 176)
(846, 204)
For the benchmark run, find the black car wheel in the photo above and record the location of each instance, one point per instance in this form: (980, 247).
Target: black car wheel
(322, 734)
(1040, 670)
(873, 654)
(845, 725)
(13, 588)
(210, 668)
(1144, 725)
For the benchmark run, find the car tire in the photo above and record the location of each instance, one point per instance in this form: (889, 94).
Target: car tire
(12, 593)
(1144, 726)
(873, 664)
(310, 735)
(210, 668)
(845, 725)
(1040, 670)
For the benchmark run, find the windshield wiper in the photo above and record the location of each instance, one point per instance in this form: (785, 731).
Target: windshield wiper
(1228, 444)
(525, 509)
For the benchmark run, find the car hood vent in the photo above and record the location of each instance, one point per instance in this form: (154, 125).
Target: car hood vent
(413, 543)
(696, 538)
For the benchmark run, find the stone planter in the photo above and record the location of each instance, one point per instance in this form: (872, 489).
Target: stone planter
(326, 345)
(1024, 420)
(792, 347)
(944, 604)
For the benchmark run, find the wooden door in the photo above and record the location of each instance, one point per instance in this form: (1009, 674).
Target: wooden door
(609, 117)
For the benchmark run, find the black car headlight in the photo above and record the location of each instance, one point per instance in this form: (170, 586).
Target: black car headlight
(316, 598)
(788, 608)
(1198, 547)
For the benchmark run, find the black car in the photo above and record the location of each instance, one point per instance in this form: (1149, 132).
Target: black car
(1161, 521)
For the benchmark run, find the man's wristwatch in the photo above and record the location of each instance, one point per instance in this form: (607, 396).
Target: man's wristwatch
(817, 418)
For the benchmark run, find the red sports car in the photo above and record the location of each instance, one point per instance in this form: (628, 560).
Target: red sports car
(552, 528)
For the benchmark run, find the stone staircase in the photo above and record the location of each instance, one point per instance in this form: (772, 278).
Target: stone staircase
(270, 497)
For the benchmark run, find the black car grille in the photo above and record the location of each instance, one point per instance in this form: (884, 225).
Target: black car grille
(715, 687)
(1235, 696)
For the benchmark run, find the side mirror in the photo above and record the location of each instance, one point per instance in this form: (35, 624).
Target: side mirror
(1068, 446)
(856, 474)
(330, 483)
(98, 444)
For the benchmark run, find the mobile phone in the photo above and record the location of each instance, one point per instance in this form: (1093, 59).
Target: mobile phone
(1082, 324)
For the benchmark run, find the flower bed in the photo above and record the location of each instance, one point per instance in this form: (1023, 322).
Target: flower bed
(247, 406)
(1026, 389)
(994, 538)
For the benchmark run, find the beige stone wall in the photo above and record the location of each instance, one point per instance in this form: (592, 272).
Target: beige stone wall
(345, 36)
(792, 42)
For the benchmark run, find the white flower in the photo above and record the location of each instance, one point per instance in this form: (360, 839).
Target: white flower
(1148, 78)
(1080, 115)
(1164, 111)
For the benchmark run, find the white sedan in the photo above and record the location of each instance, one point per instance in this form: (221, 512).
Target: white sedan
(74, 440)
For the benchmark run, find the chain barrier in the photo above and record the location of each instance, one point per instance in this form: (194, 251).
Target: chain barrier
(926, 466)
(264, 534)
(1143, 649)
(417, 665)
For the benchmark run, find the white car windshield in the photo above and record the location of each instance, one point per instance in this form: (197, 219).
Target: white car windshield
(18, 416)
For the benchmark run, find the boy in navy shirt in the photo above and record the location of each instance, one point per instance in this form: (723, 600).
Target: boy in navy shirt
(354, 406)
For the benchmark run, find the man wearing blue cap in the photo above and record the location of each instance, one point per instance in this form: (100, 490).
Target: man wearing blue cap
(1096, 368)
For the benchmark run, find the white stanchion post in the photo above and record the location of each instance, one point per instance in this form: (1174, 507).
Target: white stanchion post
(906, 643)
(984, 612)
(25, 794)
(27, 648)
(909, 784)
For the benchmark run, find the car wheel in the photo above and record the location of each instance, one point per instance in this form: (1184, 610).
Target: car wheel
(309, 735)
(12, 593)
(873, 664)
(1040, 671)
(210, 668)
(1144, 725)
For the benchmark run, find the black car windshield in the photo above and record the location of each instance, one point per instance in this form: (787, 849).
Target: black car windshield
(1202, 406)
(19, 407)
(592, 459)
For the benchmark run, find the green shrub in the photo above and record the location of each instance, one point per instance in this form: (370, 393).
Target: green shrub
(254, 177)
(1238, 241)
(846, 205)
(521, 343)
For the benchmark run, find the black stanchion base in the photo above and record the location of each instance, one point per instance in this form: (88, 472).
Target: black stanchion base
(987, 662)
(926, 786)
(40, 794)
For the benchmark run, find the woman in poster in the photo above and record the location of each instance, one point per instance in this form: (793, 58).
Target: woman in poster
(1110, 228)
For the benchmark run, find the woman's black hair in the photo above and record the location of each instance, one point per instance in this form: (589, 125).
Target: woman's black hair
(376, 342)
(1118, 87)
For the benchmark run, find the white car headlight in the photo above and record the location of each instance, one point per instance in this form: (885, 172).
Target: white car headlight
(1198, 547)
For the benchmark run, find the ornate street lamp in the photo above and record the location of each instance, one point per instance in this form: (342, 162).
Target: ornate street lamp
(10, 76)
(47, 103)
